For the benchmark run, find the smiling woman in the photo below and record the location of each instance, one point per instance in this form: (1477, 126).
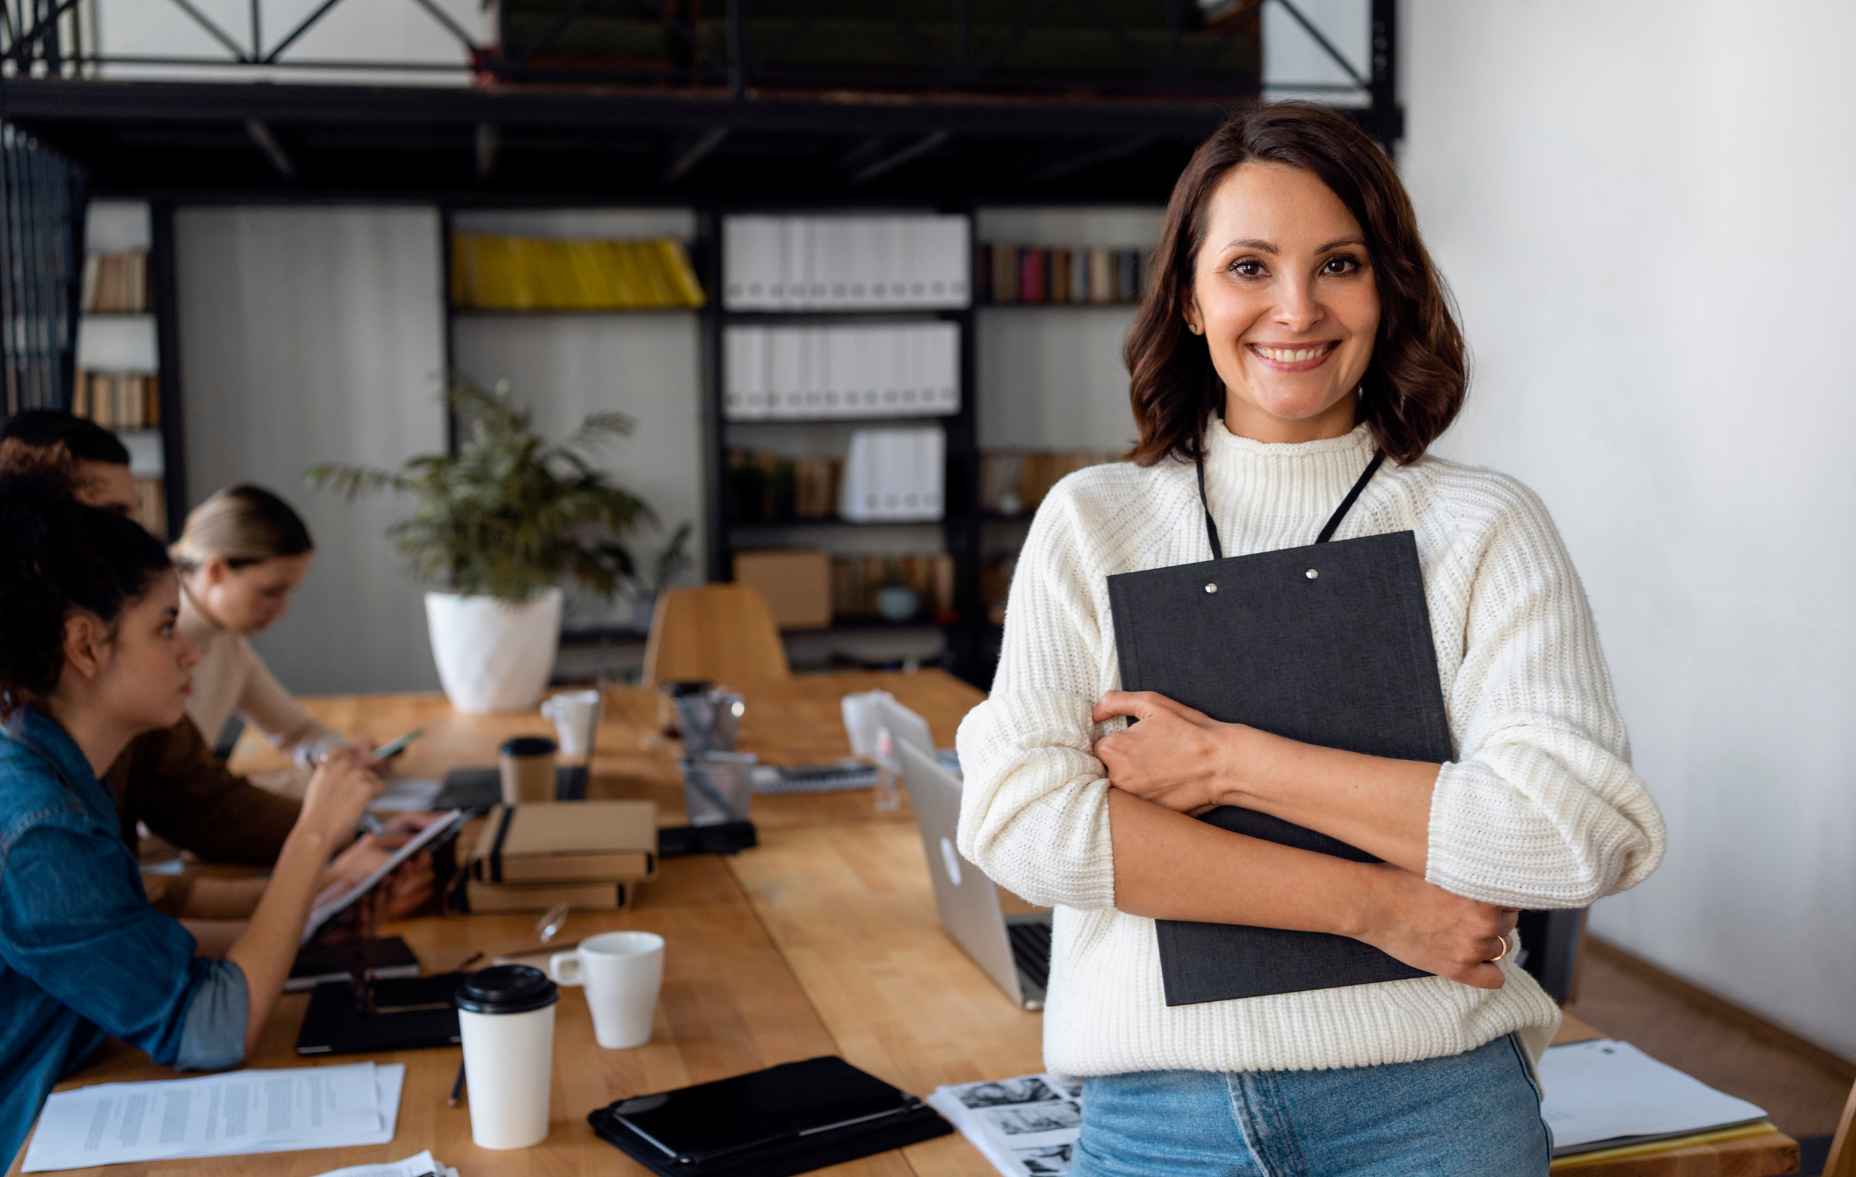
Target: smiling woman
(1296, 352)
(1292, 253)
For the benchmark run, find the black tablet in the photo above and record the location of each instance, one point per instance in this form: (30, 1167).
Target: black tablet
(696, 1125)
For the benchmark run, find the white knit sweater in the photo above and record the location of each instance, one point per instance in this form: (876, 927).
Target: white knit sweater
(1540, 808)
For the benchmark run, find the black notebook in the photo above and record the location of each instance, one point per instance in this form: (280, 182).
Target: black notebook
(385, 958)
(407, 1014)
(1328, 644)
(787, 1119)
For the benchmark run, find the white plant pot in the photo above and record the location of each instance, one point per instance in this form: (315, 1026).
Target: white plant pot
(493, 656)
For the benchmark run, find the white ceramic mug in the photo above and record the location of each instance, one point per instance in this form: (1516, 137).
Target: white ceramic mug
(621, 973)
(574, 715)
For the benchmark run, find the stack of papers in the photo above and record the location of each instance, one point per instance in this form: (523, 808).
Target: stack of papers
(218, 1116)
(420, 1166)
(1026, 1126)
(1605, 1094)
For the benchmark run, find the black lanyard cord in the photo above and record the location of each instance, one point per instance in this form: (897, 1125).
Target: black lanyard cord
(1327, 532)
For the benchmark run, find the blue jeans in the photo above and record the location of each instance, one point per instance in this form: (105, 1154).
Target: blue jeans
(1470, 1115)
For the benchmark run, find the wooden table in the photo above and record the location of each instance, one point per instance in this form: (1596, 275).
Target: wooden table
(823, 940)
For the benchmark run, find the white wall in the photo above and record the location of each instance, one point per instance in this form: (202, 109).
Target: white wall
(1645, 212)
(312, 335)
(1051, 377)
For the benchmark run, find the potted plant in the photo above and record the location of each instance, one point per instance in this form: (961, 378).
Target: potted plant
(496, 527)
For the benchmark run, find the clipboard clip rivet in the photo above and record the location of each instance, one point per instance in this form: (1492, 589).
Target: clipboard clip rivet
(1312, 574)
(1211, 588)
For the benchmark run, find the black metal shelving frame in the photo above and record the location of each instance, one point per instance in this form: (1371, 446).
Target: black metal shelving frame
(731, 132)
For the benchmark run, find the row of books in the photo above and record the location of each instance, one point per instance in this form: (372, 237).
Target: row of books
(774, 263)
(856, 582)
(1031, 274)
(1014, 481)
(508, 273)
(117, 400)
(116, 283)
(822, 372)
(591, 855)
(770, 488)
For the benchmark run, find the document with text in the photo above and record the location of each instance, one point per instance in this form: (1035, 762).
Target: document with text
(217, 1115)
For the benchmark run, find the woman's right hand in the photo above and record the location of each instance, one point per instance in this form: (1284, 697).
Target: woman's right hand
(339, 792)
(1429, 928)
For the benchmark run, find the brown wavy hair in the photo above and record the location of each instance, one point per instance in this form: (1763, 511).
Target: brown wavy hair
(1414, 383)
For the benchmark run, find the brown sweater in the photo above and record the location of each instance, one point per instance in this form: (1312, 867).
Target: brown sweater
(171, 781)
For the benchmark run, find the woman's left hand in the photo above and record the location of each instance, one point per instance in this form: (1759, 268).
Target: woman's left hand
(1174, 756)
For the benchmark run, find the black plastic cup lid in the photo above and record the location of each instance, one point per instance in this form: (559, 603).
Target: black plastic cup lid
(527, 746)
(507, 989)
(692, 686)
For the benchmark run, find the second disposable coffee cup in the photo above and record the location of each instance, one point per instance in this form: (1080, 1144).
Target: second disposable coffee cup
(528, 769)
(506, 1019)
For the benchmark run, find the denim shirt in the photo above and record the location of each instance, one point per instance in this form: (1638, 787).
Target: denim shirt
(82, 955)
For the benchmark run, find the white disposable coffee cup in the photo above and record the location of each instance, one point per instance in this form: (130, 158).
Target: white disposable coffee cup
(574, 714)
(621, 973)
(506, 1018)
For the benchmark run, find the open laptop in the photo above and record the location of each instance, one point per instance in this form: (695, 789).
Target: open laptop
(1014, 950)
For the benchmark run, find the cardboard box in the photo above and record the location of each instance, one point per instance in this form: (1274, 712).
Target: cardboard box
(795, 581)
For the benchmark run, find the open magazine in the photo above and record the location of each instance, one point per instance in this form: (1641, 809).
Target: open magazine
(1026, 1126)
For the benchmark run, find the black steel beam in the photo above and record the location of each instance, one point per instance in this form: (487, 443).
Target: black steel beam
(1388, 115)
(125, 103)
(694, 153)
(260, 133)
(891, 162)
(489, 140)
(1076, 161)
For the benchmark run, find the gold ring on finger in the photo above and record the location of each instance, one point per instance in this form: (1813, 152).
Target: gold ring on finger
(1503, 939)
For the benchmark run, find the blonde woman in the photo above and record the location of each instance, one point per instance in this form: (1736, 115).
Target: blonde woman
(242, 553)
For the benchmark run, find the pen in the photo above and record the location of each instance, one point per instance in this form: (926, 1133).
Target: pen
(457, 1088)
(468, 961)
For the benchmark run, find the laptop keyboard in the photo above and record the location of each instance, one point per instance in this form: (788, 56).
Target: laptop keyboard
(812, 778)
(1031, 950)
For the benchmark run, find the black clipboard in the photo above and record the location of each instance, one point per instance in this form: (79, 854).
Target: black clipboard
(1329, 644)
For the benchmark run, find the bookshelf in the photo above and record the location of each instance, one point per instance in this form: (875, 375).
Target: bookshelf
(1017, 375)
(937, 557)
(125, 377)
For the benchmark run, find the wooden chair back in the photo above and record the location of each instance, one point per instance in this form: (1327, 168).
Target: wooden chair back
(1842, 1159)
(721, 632)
